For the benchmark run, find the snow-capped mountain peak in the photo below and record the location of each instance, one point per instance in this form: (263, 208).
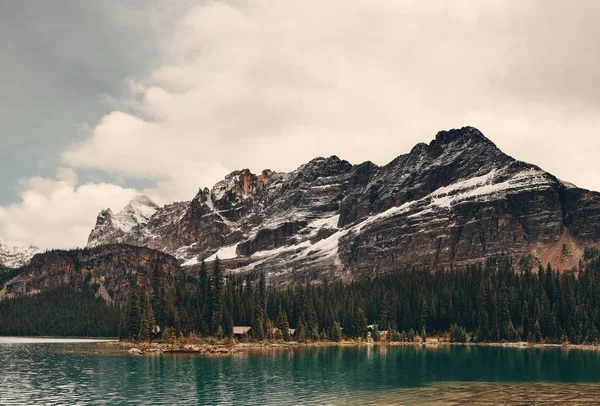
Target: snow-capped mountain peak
(110, 226)
(137, 212)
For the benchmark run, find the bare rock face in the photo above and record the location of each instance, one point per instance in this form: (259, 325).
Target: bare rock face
(113, 270)
(454, 201)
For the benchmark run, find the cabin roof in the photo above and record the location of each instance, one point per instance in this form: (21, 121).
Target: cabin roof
(241, 330)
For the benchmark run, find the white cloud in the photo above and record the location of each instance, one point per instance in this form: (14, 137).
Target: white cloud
(58, 213)
(272, 84)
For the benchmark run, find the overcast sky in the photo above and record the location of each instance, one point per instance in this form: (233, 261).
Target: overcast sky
(102, 100)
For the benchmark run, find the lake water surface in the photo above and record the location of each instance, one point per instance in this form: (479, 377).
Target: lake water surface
(36, 371)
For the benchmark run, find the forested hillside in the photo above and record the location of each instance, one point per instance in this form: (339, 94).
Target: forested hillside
(64, 311)
(496, 301)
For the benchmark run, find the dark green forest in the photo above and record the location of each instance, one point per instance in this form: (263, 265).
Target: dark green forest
(496, 301)
(60, 312)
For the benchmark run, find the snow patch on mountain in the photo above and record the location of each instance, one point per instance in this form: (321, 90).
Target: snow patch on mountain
(16, 257)
(280, 250)
(224, 253)
(484, 186)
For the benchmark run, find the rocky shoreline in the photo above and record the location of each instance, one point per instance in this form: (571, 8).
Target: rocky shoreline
(227, 348)
(199, 347)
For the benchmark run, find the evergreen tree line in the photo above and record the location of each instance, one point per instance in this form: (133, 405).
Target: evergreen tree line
(65, 311)
(495, 301)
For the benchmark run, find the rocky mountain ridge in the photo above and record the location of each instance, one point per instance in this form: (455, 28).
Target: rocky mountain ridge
(456, 200)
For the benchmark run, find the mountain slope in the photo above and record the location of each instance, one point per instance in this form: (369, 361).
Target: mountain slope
(112, 271)
(456, 200)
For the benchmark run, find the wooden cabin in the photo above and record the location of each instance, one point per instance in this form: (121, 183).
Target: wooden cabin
(241, 331)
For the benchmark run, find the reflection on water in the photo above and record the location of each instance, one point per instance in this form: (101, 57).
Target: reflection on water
(85, 373)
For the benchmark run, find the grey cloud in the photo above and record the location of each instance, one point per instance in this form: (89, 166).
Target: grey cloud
(61, 61)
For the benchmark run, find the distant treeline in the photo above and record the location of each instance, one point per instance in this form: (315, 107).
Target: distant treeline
(494, 301)
(65, 311)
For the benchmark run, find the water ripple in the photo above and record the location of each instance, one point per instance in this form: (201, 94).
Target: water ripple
(84, 374)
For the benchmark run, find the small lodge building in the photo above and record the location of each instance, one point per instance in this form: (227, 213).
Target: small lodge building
(240, 332)
(372, 328)
(291, 332)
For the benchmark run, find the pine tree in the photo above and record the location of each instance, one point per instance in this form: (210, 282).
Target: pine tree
(506, 325)
(228, 310)
(482, 314)
(301, 333)
(424, 314)
(204, 309)
(123, 333)
(315, 336)
(525, 320)
(336, 332)
(148, 322)
(283, 325)
(457, 334)
(219, 334)
(134, 315)
(385, 312)
(217, 297)
(537, 332)
(259, 322)
(360, 326)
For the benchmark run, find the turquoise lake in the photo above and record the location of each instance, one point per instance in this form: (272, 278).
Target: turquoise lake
(55, 372)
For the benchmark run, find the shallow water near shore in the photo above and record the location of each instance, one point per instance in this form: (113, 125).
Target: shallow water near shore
(56, 371)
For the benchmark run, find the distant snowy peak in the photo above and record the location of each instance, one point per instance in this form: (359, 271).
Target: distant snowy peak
(111, 227)
(16, 257)
(137, 212)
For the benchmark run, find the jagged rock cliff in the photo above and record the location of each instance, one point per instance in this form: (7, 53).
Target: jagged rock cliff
(456, 200)
(113, 270)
